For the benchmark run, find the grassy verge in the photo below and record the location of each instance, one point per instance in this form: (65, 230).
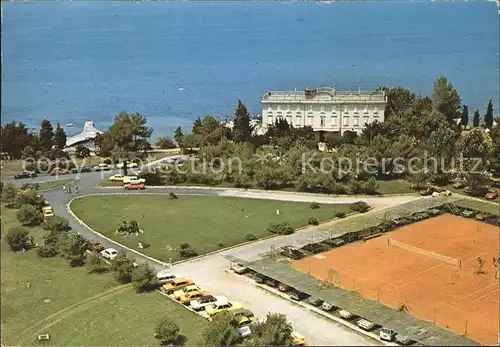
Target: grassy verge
(207, 223)
(10, 168)
(53, 184)
(56, 302)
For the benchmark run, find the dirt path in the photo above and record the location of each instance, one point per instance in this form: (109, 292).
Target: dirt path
(58, 316)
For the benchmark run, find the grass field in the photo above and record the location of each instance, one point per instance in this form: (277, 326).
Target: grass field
(53, 184)
(207, 223)
(77, 308)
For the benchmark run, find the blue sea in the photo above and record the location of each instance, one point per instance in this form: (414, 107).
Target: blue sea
(174, 61)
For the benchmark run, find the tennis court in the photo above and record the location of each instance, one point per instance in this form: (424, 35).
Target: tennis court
(426, 268)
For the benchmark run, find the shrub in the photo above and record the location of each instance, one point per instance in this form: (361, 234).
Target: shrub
(133, 227)
(27, 186)
(280, 228)
(221, 244)
(17, 238)
(340, 214)
(82, 152)
(314, 205)
(95, 264)
(122, 267)
(186, 251)
(56, 223)
(371, 186)
(167, 332)
(29, 215)
(312, 221)
(250, 237)
(143, 278)
(172, 196)
(9, 194)
(48, 251)
(359, 206)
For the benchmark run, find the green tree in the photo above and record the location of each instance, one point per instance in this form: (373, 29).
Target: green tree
(143, 278)
(31, 197)
(46, 135)
(197, 127)
(73, 247)
(495, 153)
(165, 142)
(399, 99)
(122, 267)
(178, 135)
(29, 215)
(476, 120)
(349, 137)
(59, 137)
(371, 186)
(333, 140)
(475, 147)
(274, 331)
(465, 116)
(82, 152)
(191, 141)
(17, 238)
(14, 138)
(242, 130)
(488, 116)
(9, 194)
(56, 223)
(445, 99)
(167, 332)
(95, 264)
(220, 331)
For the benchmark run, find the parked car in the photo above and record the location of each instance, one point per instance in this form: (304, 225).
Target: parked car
(365, 324)
(116, 178)
(244, 313)
(164, 277)
(176, 284)
(468, 214)
(459, 185)
(345, 314)
(81, 169)
(58, 171)
(387, 334)
(186, 290)
(130, 165)
(95, 246)
(314, 301)
(325, 306)
(243, 327)
(187, 298)
(237, 268)
(298, 296)
(109, 253)
(283, 287)
(204, 301)
(25, 174)
(220, 306)
(47, 212)
(102, 167)
(298, 339)
(133, 180)
(492, 194)
(133, 186)
(403, 340)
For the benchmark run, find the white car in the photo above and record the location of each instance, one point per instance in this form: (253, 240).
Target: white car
(203, 302)
(237, 268)
(109, 253)
(165, 277)
(387, 334)
(133, 180)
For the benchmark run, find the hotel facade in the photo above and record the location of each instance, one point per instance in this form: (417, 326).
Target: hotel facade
(324, 109)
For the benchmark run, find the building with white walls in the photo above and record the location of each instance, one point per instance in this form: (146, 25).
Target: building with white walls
(324, 109)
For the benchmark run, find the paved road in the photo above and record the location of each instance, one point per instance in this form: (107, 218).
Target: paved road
(209, 270)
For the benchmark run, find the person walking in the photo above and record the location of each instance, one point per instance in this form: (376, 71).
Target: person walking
(64, 188)
(76, 188)
(69, 189)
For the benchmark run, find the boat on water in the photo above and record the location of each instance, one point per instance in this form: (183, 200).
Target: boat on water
(69, 125)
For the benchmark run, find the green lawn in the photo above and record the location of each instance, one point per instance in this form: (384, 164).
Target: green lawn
(394, 187)
(53, 184)
(59, 302)
(207, 223)
(10, 168)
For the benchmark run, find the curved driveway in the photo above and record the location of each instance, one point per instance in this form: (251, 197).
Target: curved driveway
(209, 270)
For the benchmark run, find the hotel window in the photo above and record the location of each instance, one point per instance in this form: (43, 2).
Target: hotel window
(356, 121)
(298, 121)
(365, 110)
(310, 108)
(345, 108)
(322, 120)
(334, 109)
(322, 109)
(376, 109)
(334, 120)
(269, 119)
(366, 119)
(346, 120)
(309, 120)
(270, 108)
(355, 109)
(289, 120)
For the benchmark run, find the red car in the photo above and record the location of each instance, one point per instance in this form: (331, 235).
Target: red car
(95, 246)
(134, 186)
(492, 194)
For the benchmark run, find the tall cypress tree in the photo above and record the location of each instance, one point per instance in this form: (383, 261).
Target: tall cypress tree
(178, 135)
(465, 116)
(477, 119)
(46, 135)
(59, 137)
(488, 117)
(242, 130)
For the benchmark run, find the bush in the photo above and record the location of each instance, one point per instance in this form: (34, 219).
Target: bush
(359, 206)
(280, 228)
(27, 186)
(122, 267)
(250, 237)
(340, 214)
(48, 251)
(221, 244)
(56, 223)
(186, 251)
(167, 332)
(371, 186)
(95, 264)
(17, 238)
(313, 221)
(9, 194)
(172, 196)
(143, 278)
(29, 215)
(314, 205)
(133, 227)
(82, 152)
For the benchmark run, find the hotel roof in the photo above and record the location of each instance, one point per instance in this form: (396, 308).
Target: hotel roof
(89, 132)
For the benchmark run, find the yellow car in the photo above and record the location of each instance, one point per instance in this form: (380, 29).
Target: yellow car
(298, 340)
(176, 284)
(221, 305)
(47, 212)
(187, 298)
(116, 178)
(186, 290)
(130, 165)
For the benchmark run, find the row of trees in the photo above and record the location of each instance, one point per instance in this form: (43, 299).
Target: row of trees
(18, 141)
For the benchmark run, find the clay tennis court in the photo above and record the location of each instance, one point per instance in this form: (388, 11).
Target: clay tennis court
(440, 286)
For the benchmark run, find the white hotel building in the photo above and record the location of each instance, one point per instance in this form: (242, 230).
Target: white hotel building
(324, 109)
